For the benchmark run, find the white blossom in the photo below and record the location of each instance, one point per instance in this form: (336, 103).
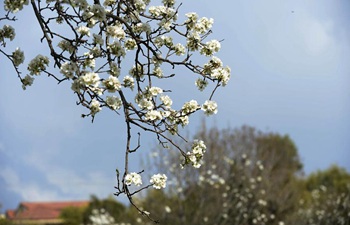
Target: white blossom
(201, 84)
(198, 150)
(166, 101)
(83, 30)
(114, 69)
(136, 71)
(112, 84)
(128, 81)
(68, 69)
(66, 46)
(190, 107)
(165, 114)
(27, 81)
(81, 4)
(210, 107)
(133, 178)
(179, 49)
(17, 57)
(97, 39)
(99, 12)
(210, 48)
(145, 103)
(130, 44)
(109, 2)
(193, 41)
(183, 120)
(191, 20)
(153, 115)
(14, 5)
(158, 71)
(89, 61)
(114, 102)
(7, 32)
(203, 25)
(116, 31)
(90, 79)
(94, 107)
(157, 11)
(222, 75)
(116, 48)
(159, 181)
(164, 40)
(168, 2)
(167, 209)
(38, 64)
(155, 91)
(142, 27)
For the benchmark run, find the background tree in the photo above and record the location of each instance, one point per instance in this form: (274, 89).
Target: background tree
(99, 212)
(326, 198)
(238, 181)
(3, 219)
(104, 206)
(250, 177)
(72, 215)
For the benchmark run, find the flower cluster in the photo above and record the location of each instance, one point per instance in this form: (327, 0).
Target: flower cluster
(112, 84)
(114, 102)
(14, 5)
(38, 64)
(35, 66)
(101, 217)
(210, 107)
(196, 155)
(83, 30)
(95, 106)
(201, 84)
(69, 69)
(190, 107)
(7, 32)
(133, 178)
(210, 48)
(159, 181)
(27, 81)
(17, 57)
(116, 31)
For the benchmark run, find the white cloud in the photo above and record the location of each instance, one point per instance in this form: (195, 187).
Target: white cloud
(80, 186)
(27, 191)
(315, 35)
(62, 184)
(69, 182)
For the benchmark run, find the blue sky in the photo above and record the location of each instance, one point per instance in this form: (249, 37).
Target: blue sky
(290, 74)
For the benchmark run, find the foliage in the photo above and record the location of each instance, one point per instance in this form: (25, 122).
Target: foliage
(249, 177)
(237, 182)
(336, 179)
(326, 198)
(72, 215)
(98, 212)
(108, 206)
(4, 221)
(115, 54)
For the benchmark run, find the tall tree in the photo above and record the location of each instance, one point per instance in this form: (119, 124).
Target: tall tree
(326, 198)
(247, 177)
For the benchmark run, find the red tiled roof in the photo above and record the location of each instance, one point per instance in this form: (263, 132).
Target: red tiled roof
(10, 214)
(42, 210)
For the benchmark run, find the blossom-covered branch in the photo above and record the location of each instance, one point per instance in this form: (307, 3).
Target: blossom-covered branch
(113, 53)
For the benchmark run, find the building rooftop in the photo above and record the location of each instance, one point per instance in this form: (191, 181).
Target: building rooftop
(41, 210)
